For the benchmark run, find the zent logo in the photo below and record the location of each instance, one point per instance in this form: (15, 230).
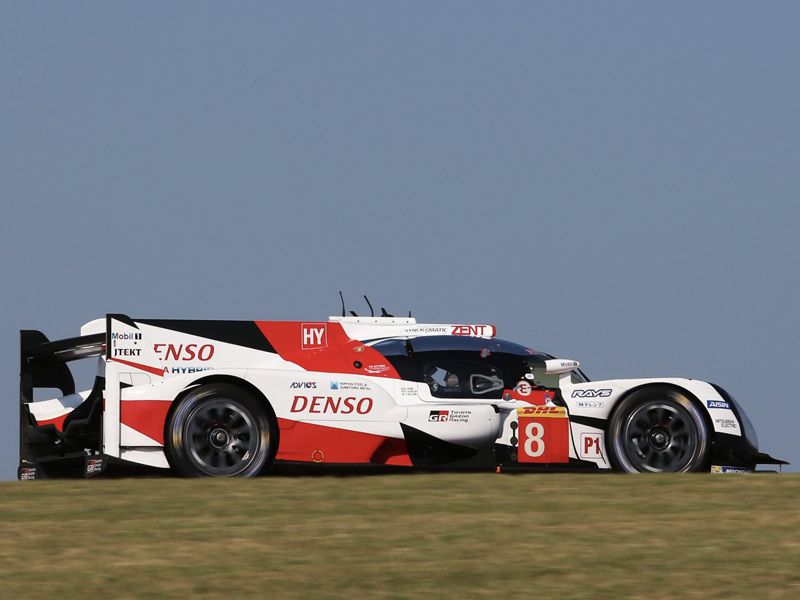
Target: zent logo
(314, 336)
(604, 393)
(472, 330)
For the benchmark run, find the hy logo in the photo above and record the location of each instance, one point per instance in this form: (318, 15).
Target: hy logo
(314, 336)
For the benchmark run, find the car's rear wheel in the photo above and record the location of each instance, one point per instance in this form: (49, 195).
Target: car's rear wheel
(219, 430)
(658, 430)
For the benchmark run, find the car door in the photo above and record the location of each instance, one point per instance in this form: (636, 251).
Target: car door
(456, 397)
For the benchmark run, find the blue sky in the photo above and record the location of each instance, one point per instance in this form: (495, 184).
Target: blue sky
(616, 183)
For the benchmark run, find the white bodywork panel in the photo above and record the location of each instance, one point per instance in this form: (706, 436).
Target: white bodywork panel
(597, 398)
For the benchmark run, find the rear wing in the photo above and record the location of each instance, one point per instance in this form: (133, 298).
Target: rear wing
(43, 364)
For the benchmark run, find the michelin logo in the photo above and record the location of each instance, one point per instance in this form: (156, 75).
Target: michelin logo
(723, 469)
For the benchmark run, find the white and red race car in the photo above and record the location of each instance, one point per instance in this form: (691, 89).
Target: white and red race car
(228, 398)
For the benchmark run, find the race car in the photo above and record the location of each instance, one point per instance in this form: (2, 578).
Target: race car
(230, 398)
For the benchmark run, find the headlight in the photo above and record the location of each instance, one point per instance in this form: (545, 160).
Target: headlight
(747, 425)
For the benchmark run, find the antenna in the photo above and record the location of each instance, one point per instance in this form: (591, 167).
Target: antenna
(384, 313)
(371, 310)
(342, 298)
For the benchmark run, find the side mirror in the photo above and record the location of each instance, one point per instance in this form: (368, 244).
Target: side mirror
(557, 366)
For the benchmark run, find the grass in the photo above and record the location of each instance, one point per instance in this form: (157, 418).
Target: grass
(402, 536)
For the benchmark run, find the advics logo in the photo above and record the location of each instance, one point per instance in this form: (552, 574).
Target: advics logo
(311, 385)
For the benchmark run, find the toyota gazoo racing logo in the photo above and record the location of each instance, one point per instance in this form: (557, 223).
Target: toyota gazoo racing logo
(335, 405)
(603, 393)
(439, 416)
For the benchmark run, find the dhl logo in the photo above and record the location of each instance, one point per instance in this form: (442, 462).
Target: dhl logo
(528, 412)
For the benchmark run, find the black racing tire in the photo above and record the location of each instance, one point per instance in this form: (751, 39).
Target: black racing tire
(220, 430)
(658, 429)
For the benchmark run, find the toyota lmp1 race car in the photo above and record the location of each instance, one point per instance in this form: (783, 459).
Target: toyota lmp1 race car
(229, 398)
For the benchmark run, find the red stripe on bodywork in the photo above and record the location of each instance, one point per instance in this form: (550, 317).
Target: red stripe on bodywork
(57, 421)
(155, 370)
(308, 442)
(148, 417)
(335, 352)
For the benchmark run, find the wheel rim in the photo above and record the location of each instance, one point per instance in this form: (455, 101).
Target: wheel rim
(660, 436)
(222, 437)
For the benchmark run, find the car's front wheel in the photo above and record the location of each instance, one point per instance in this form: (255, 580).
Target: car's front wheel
(219, 430)
(658, 430)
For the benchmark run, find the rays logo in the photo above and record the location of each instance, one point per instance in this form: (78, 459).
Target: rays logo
(604, 393)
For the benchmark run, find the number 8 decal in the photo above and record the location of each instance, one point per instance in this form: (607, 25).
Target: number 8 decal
(543, 434)
(534, 434)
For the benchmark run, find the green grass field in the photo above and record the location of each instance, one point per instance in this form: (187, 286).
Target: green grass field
(397, 536)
